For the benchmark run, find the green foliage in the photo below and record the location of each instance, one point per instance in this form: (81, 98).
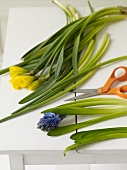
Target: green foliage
(58, 60)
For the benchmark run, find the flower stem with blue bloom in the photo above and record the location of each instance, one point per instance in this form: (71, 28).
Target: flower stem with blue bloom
(50, 121)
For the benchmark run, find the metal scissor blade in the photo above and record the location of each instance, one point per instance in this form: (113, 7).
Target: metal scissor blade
(90, 94)
(84, 90)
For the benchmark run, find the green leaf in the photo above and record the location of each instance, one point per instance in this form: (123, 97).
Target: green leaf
(70, 110)
(63, 8)
(54, 94)
(78, 135)
(46, 86)
(97, 132)
(75, 54)
(48, 41)
(30, 52)
(67, 129)
(90, 35)
(67, 83)
(59, 63)
(92, 136)
(96, 102)
(102, 49)
(70, 148)
(101, 134)
(90, 6)
(84, 72)
(65, 35)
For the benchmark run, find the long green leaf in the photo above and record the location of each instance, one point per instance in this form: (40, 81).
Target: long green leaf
(98, 135)
(63, 84)
(102, 49)
(59, 63)
(32, 95)
(49, 40)
(68, 80)
(82, 73)
(96, 132)
(66, 129)
(40, 91)
(59, 41)
(96, 101)
(70, 110)
(88, 20)
(75, 54)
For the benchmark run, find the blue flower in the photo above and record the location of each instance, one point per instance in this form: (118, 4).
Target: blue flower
(50, 121)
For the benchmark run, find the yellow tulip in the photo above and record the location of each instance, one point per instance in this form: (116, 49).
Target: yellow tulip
(19, 82)
(16, 70)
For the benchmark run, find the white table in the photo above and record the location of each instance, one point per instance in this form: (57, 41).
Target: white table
(19, 137)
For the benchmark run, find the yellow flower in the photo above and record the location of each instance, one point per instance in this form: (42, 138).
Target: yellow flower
(35, 84)
(16, 70)
(19, 82)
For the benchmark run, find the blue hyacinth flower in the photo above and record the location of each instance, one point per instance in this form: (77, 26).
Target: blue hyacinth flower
(50, 121)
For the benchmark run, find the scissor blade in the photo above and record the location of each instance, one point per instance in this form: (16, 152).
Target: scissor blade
(82, 96)
(84, 90)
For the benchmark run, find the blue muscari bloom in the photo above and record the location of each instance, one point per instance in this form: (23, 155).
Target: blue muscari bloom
(50, 121)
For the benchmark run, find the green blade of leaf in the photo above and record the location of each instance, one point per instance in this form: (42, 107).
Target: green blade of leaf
(96, 101)
(75, 54)
(106, 20)
(90, 136)
(73, 78)
(90, 6)
(102, 49)
(66, 129)
(70, 110)
(59, 41)
(97, 132)
(59, 63)
(63, 8)
(5, 70)
(100, 136)
(52, 96)
(71, 147)
(49, 40)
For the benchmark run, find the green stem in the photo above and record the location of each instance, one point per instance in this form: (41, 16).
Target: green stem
(87, 55)
(101, 51)
(5, 70)
(63, 8)
(82, 73)
(58, 42)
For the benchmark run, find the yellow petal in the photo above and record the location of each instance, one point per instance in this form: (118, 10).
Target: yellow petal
(15, 83)
(26, 81)
(21, 81)
(16, 70)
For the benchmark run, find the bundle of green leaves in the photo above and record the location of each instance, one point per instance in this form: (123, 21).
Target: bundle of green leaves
(105, 108)
(56, 63)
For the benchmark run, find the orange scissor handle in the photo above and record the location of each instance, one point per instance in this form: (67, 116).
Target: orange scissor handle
(119, 91)
(112, 79)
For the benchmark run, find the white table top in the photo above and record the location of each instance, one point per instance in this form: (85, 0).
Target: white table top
(26, 28)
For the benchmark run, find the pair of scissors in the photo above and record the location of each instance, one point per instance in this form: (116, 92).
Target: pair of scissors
(106, 89)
